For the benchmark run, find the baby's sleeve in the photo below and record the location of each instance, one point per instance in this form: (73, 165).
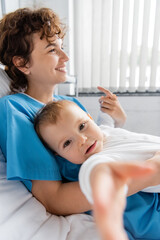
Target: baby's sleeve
(85, 172)
(105, 119)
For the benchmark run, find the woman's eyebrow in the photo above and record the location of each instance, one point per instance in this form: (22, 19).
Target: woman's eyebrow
(51, 44)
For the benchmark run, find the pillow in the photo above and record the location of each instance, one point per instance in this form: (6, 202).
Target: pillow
(4, 83)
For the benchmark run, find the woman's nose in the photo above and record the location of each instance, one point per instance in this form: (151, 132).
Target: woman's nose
(64, 56)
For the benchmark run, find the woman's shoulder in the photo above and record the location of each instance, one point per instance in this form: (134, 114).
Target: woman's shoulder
(5, 100)
(15, 97)
(12, 101)
(20, 102)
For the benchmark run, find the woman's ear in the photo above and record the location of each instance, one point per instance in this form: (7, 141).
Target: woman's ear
(19, 63)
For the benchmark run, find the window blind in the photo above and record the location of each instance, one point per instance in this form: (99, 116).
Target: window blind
(116, 45)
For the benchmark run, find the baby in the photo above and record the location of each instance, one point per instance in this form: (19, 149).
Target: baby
(71, 133)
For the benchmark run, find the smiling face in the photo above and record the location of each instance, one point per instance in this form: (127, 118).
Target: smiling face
(75, 136)
(47, 65)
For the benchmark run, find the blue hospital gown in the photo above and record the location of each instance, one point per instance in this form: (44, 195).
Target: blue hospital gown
(28, 159)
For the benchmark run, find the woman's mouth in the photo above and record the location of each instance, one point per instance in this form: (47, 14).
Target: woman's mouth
(61, 69)
(91, 148)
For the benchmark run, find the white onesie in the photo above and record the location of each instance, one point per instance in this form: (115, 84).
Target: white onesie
(119, 145)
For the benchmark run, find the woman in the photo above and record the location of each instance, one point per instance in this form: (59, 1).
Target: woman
(31, 49)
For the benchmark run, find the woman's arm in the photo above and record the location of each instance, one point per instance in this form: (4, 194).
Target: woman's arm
(60, 198)
(66, 198)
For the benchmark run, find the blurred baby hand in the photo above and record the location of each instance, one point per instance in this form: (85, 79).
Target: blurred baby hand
(108, 188)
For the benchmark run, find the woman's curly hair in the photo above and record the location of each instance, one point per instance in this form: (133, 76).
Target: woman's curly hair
(16, 31)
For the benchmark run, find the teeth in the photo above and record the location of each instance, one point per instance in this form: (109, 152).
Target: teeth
(61, 69)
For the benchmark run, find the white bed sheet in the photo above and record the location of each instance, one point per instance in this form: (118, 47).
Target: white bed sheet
(22, 217)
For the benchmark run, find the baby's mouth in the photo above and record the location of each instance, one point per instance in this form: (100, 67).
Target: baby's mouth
(91, 148)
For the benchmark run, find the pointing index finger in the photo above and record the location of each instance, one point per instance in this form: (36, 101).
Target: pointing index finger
(107, 92)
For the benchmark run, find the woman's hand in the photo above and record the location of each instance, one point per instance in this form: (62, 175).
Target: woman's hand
(108, 189)
(109, 104)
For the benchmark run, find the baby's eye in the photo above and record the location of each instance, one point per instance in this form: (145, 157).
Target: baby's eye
(66, 144)
(81, 126)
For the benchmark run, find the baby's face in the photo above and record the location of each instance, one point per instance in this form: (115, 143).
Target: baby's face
(75, 137)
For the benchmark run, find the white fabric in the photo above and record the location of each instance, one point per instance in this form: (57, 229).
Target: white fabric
(119, 145)
(105, 119)
(4, 83)
(23, 217)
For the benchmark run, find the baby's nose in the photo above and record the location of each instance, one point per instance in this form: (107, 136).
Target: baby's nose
(82, 139)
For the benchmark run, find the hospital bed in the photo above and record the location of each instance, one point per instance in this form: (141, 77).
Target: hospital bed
(22, 217)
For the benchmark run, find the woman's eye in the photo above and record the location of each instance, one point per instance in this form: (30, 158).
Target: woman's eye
(52, 50)
(81, 126)
(66, 144)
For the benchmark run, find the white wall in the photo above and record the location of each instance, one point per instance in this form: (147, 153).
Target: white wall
(143, 113)
(61, 7)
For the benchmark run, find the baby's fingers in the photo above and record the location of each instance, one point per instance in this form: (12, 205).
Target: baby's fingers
(133, 170)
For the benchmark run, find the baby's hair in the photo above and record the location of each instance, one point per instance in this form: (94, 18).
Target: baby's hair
(49, 114)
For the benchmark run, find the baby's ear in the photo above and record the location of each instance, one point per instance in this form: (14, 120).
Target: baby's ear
(89, 116)
(56, 154)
